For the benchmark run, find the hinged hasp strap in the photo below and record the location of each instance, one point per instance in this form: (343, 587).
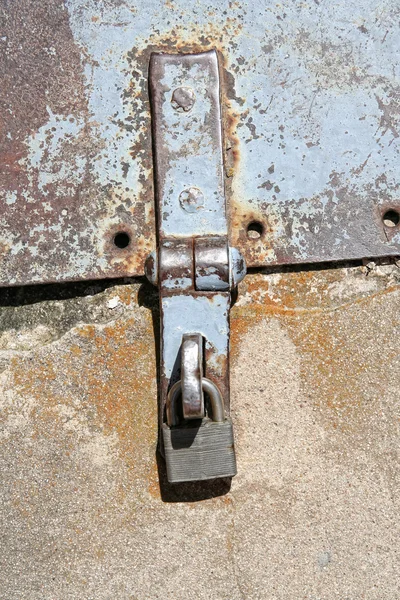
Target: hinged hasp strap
(194, 267)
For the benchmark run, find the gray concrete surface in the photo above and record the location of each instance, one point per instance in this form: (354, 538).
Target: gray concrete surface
(313, 512)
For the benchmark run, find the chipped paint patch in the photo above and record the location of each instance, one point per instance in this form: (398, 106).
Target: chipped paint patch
(47, 158)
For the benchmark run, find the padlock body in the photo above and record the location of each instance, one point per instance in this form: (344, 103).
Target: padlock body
(194, 453)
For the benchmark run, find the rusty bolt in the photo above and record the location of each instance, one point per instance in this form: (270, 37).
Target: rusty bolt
(191, 199)
(183, 99)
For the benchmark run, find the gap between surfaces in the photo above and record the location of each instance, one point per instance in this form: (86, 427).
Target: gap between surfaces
(32, 294)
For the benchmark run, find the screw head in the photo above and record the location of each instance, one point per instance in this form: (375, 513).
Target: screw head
(183, 99)
(191, 199)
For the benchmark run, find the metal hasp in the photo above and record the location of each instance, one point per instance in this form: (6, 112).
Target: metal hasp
(194, 267)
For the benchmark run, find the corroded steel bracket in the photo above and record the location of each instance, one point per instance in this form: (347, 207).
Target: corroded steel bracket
(194, 266)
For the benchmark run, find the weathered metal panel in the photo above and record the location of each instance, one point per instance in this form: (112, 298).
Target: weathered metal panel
(76, 169)
(311, 120)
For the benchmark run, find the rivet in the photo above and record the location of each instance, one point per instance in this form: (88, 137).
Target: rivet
(191, 199)
(183, 99)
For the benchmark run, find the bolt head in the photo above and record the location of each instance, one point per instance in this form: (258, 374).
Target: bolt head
(183, 99)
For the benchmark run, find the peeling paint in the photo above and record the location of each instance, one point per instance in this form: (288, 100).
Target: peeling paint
(45, 154)
(309, 89)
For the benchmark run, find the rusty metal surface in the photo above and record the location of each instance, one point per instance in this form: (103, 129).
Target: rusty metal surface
(188, 157)
(311, 119)
(75, 169)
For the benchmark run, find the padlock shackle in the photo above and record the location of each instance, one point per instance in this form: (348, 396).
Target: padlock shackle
(217, 405)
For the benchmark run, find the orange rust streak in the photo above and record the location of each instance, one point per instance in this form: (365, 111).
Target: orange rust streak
(332, 340)
(107, 377)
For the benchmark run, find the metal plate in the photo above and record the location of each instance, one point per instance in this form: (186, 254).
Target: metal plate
(311, 121)
(187, 145)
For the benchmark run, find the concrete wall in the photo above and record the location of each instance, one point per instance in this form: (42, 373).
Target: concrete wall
(313, 512)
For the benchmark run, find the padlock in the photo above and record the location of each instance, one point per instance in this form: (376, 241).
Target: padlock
(198, 449)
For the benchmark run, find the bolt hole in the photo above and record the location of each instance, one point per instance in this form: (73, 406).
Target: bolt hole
(391, 218)
(255, 229)
(122, 240)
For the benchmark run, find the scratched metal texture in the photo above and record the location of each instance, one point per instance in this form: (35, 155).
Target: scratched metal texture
(311, 120)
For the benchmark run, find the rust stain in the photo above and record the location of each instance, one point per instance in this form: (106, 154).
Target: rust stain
(105, 375)
(108, 371)
(48, 207)
(76, 350)
(153, 482)
(341, 371)
(126, 295)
